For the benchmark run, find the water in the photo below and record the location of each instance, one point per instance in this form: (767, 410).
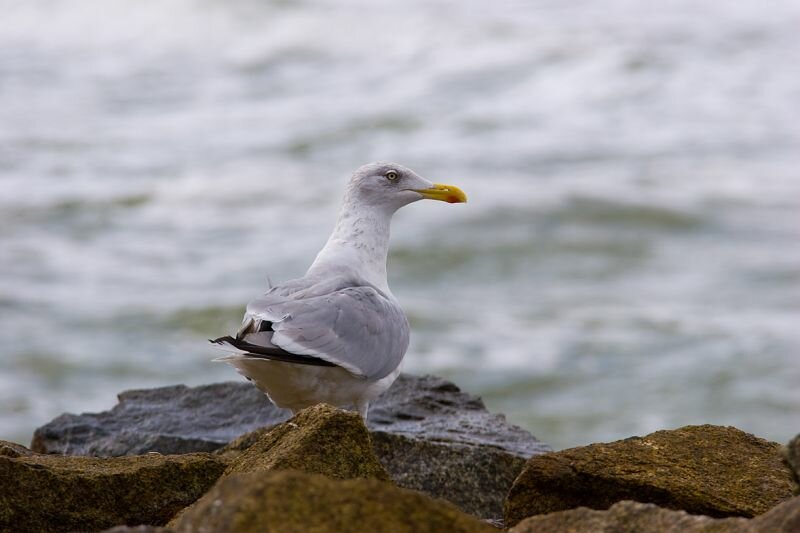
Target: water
(628, 261)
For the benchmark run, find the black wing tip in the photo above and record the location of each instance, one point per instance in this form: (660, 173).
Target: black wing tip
(275, 354)
(291, 358)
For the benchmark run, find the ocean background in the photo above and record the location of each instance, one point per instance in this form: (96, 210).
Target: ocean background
(629, 259)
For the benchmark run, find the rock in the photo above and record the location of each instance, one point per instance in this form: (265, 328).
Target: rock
(484, 474)
(11, 449)
(60, 493)
(628, 517)
(475, 478)
(168, 420)
(792, 455)
(785, 518)
(433, 437)
(434, 409)
(633, 517)
(180, 419)
(138, 529)
(423, 428)
(321, 440)
(709, 470)
(242, 443)
(289, 501)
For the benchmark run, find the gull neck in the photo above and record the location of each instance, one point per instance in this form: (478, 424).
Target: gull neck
(359, 243)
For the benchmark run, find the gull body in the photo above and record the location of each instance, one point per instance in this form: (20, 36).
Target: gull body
(337, 335)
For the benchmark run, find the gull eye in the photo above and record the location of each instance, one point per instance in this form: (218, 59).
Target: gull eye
(392, 175)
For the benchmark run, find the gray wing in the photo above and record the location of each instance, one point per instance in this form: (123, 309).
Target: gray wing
(355, 327)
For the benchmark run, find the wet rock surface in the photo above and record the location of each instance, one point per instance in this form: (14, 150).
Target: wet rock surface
(168, 420)
(289, 501)
(707, 470)
(321, 440)
(436, 410)
(61, 493)
(180, 419)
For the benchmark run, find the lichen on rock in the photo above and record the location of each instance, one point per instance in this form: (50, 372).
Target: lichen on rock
(709, 470)
(628, 517)
(633, 517)
(12, 449)
(61, 493)
(321, 440)
(291, 501)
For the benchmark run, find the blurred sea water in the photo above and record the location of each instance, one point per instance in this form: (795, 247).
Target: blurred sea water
(629, 259)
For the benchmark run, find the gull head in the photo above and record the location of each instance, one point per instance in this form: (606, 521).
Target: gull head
(390, 186)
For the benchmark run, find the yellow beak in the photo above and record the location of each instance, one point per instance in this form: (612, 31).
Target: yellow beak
(446, 193)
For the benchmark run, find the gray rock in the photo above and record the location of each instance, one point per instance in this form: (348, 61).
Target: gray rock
(792, 454)
(434, 409)
(428, 434)
(168, 420)
(432, 437)
(475, 478)
(180, 419)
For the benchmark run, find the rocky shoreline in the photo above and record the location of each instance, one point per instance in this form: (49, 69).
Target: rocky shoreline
(429, 458)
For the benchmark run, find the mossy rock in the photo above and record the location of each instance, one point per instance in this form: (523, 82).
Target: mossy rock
(707, 470)
(59, 493)
(138, 529)
(634, 517)
(628, 517)
(320, 440)
(485, 474)
(12, 449)
(242, 443)
(290, 501)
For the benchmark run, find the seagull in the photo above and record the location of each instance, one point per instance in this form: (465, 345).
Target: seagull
(337, 335)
